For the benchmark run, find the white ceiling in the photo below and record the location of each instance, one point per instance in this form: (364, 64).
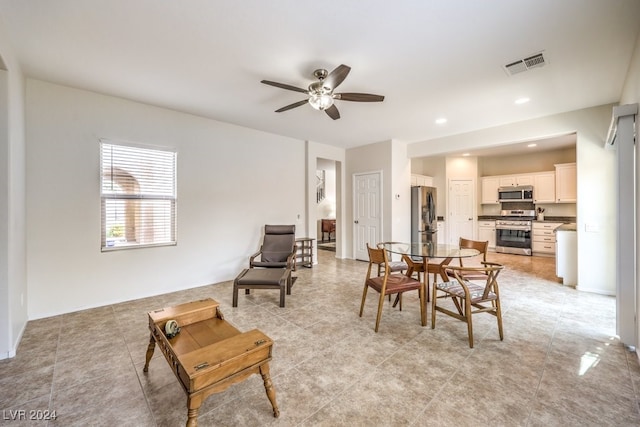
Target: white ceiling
(429, 58)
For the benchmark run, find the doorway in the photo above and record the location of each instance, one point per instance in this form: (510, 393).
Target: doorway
(326, 204)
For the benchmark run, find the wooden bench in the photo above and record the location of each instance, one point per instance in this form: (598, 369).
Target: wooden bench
(208, 354)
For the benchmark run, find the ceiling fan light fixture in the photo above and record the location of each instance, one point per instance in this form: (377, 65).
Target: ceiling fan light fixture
(320, 93)
(321, 101)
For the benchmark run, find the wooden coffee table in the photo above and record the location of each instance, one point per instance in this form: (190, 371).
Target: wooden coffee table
(209, 354)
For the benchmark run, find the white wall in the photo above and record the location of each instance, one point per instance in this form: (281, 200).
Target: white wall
(631, 95)
(13, 282)
(596, 250)
(231, 181)
(523, 163)
(400, 200)
(5, 340)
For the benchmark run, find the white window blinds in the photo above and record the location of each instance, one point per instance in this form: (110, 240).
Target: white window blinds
(138, 196)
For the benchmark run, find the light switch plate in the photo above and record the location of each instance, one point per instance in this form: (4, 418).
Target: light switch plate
(591, 228)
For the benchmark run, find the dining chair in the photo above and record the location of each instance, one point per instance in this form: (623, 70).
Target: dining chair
(389, 284)
(468, 297)
(482, 247)
(394, 266)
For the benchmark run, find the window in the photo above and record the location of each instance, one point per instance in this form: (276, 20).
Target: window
(138, 196)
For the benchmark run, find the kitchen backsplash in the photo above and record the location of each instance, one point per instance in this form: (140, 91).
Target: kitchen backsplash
(550, 209)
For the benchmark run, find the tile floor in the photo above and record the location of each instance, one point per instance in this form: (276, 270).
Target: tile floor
(560, 363)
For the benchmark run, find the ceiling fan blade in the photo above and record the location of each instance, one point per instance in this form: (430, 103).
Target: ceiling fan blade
(333, 112)
(284, 86)
(337, 76)
(359, 97)
(290, 106)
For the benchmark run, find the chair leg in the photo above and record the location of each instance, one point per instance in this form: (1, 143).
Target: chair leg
(235, 294)
(468, 315)
(364, 297)
(499, 316)
(380, 304)
(282, 292)
(456, 302)
(396, 301)
(434, 297)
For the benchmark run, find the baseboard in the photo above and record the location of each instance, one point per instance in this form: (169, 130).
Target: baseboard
(12, 353)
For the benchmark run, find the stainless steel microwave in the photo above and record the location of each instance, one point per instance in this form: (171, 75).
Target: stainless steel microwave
(522, 193)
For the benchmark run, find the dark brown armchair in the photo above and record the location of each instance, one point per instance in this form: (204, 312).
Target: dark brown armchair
(278, 248)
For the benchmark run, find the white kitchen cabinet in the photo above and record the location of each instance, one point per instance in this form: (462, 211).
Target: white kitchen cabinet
(421, 180)
(489, 189)
(544, 187)
(566, 183)
(516, 180)
(543, 238)
(487, 232)
(567, 256)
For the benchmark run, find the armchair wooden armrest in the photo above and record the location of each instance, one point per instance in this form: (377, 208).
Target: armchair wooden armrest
(254, 256)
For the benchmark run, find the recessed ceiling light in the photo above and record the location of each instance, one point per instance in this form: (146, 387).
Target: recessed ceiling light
(441, 121)
(465, 154)
(522, 100)
(532, 145)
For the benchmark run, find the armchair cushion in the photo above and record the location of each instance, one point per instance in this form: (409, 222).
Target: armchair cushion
(476, 292)
(277, 248)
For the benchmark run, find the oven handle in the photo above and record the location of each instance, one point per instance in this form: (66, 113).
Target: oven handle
(513, 227)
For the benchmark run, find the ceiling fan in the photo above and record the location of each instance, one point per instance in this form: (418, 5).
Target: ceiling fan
(321, 96)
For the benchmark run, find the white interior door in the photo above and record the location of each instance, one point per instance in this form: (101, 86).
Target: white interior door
(461, 203)
(367, 212)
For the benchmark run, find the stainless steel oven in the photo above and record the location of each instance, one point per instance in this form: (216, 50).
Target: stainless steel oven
(513, 232)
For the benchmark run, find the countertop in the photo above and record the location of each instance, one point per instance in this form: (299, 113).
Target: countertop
(567, 227)
(563, 219)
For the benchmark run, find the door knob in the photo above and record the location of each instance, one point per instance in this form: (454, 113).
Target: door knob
(470, 219)
(355, 222)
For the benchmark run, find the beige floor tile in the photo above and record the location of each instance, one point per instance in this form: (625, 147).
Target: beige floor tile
(560, 362)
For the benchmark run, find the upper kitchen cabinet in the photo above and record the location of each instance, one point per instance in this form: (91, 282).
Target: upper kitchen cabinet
(490, 186)
(566, 183)
(422, 180)
(544, 187)
(516, 180)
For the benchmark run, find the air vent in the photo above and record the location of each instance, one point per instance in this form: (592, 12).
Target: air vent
(525, 64)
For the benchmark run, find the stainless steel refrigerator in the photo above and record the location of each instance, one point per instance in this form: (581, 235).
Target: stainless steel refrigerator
(423, 215)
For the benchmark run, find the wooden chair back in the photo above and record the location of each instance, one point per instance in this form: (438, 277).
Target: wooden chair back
(482, 247)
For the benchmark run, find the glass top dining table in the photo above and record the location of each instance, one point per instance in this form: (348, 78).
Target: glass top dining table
(422, 252)
(429, 250)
